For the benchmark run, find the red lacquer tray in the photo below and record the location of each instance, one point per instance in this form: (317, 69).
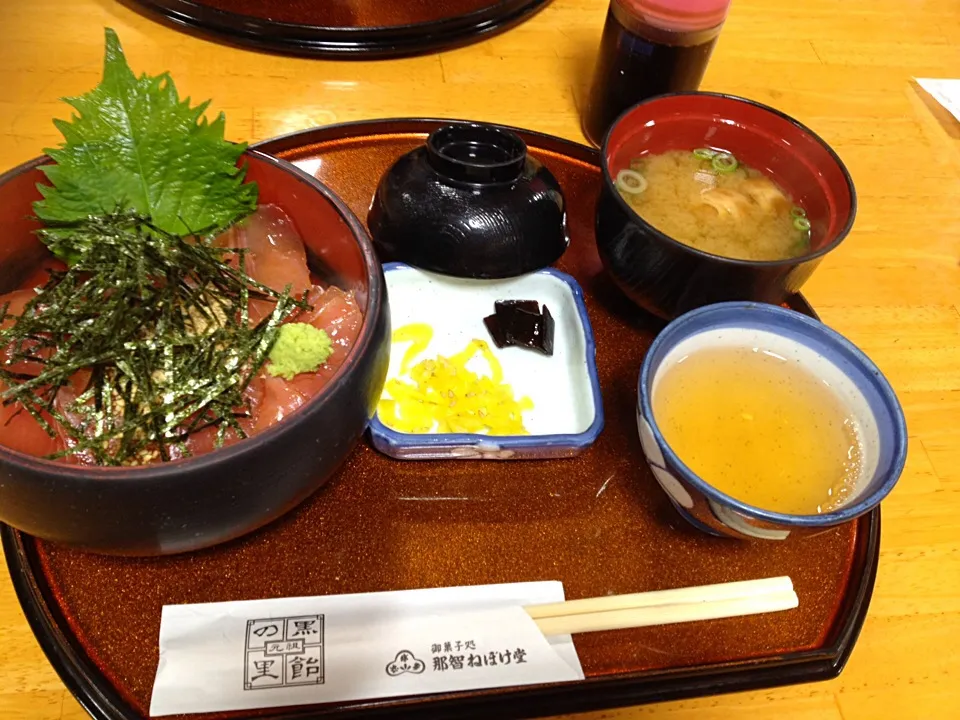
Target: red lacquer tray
(346, 28)
(597, 522)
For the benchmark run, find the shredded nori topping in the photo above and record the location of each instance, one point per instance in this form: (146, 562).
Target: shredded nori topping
(160, 322)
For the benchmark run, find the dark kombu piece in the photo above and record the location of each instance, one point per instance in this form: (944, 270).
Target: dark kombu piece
(520, 323)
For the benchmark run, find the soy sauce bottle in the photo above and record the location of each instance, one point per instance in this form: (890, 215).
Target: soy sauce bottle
(649, 47)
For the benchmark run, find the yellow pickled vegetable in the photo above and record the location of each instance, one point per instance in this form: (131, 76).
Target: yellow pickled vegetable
(445, 397)
(418, 335)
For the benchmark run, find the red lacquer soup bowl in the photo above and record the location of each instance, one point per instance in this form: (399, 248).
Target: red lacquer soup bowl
(668, 278)
(214, 497)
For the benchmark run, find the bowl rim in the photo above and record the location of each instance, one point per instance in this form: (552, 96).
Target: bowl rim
(184, 468)
(397, 441)
(739, 262)
(885, 390)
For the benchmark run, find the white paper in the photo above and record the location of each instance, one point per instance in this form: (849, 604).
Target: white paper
(299, 651)
(945, 92)
(311, 166)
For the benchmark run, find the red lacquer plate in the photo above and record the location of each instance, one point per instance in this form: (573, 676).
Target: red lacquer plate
(597, 522)
(346, 28)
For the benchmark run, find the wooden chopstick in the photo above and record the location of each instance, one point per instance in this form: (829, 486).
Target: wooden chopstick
(699, 593)
(663, 607)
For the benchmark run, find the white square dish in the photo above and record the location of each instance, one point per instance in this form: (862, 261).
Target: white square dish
(567, 413)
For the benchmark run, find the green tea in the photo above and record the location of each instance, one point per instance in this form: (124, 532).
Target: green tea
(760, 428)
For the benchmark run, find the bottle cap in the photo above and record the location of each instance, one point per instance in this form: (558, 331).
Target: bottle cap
(679, 15)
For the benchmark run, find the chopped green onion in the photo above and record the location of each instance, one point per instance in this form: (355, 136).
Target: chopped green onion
(724, 163)
(798, 212)
(705, 153)
(801, 224)
(632, 182)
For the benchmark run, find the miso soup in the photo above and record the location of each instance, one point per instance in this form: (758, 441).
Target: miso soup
(760, 427)
(709, 200)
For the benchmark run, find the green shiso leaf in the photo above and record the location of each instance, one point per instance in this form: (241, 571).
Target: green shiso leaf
(134, 146)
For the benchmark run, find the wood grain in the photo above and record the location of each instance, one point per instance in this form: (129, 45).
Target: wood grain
(844, 69)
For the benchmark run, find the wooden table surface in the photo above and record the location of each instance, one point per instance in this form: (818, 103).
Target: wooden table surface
(893, 287)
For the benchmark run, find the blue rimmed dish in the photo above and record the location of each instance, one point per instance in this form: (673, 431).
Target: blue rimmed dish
(567, 414)
(833, 358)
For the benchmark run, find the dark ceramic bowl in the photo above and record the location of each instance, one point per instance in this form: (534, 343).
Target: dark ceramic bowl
(197, 502)
(470, 203)
(666, 277)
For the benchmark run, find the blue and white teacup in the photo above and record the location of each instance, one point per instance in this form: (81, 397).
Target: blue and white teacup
(822, 351)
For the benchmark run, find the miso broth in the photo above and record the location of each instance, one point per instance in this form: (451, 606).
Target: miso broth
(760, 428)
(708, 200)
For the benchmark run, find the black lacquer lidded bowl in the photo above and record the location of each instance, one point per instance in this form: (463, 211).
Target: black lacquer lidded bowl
(471, 203)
